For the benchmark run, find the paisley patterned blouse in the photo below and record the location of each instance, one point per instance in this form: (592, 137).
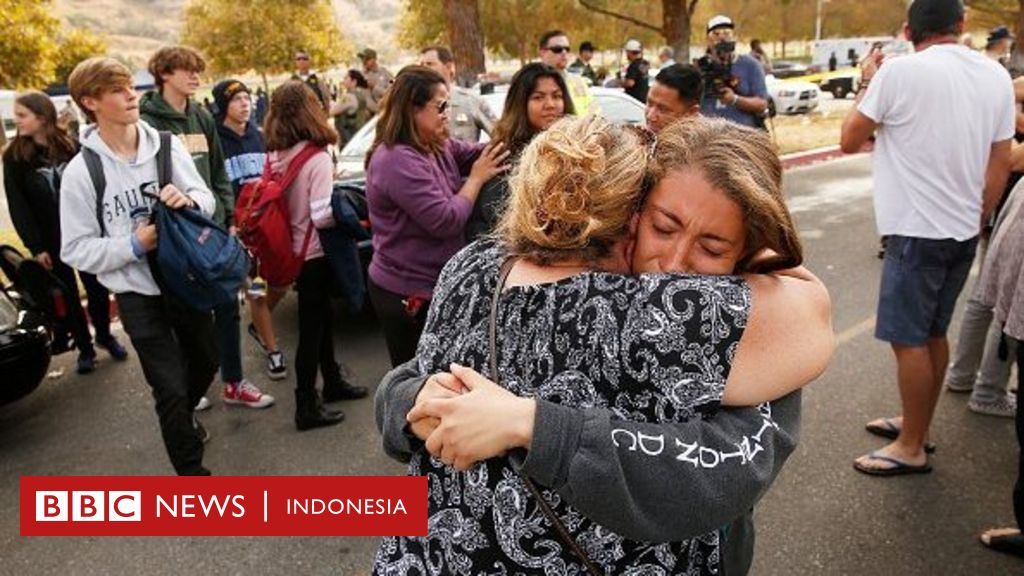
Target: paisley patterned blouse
(653, 348)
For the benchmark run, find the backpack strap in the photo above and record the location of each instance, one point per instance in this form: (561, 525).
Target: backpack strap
(296, 165)
(94, 164)
(163, 160)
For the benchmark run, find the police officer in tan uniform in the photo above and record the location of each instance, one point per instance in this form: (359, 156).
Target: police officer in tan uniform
(468, 113)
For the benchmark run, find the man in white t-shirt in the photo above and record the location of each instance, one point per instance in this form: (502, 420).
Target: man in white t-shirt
(944, 119)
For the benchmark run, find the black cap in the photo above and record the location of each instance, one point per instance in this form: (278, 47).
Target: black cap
(587, 46)
(998, 33)
(927, 16)
(224, 91)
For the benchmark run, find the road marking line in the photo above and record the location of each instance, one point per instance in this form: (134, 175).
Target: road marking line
(855, 330)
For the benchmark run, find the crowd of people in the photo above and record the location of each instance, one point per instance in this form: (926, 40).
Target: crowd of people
(552, 301)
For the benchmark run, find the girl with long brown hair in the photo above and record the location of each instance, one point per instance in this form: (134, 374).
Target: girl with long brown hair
(298, 133)
(33, 164)
(537, 98)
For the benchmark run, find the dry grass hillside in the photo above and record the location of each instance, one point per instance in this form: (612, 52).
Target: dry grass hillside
(135, 28)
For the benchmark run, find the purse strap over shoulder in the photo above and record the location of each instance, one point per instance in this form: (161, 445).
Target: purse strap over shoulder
(542, 503)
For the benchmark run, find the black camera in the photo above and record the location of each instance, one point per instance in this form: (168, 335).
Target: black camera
(717, 72)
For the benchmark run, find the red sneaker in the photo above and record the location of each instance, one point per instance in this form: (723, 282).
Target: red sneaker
(246, 393)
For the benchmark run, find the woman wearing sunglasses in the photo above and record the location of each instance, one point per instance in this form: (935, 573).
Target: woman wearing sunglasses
(421, 187)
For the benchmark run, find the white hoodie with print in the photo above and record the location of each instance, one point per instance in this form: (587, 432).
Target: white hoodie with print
(111, 257)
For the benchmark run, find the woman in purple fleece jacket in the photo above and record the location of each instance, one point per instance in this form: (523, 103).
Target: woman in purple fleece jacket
(421, 187)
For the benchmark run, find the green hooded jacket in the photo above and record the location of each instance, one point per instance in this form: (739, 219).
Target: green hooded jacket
(198, 133)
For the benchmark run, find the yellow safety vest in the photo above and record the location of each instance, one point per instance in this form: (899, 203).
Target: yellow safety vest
(579, 92)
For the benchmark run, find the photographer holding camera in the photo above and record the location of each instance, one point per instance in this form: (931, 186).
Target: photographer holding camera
(734, 83)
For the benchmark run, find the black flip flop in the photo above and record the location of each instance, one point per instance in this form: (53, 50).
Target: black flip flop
(899, 467)
(1012, 544)
(891, 431)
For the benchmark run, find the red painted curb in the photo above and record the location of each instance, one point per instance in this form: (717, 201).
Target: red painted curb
(799, 159)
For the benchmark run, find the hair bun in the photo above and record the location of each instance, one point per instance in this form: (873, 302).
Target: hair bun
(574, 189)
(568, 162)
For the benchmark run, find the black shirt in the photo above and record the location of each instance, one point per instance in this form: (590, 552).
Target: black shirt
(637, 71)
(33, 190)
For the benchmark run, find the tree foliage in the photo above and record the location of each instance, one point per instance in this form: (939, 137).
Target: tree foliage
(238, 36)
(27, 44)
(511, 27)
(76, 45)
(34, 49)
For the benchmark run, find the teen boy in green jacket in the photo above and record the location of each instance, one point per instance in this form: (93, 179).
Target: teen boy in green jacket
(176, 70)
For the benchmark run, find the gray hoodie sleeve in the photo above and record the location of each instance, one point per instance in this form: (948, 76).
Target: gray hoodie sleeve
(187, 179)
(670, 481)
(82, 245)
(395, 397)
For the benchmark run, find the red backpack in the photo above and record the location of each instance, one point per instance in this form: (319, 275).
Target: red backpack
(264, 226)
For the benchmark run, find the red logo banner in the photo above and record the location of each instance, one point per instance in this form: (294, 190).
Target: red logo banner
(223, 506)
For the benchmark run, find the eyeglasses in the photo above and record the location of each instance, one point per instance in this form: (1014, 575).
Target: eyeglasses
(302, 57)
(558, 49)
(442, 107)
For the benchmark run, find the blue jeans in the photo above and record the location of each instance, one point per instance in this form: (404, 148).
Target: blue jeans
(229, 341)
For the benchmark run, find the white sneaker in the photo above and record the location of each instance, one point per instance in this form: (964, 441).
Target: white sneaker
(203, 404)
(959, 387)
(246, 393)
(1004, 406)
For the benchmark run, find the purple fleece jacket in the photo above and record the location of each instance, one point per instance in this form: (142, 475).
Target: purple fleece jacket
(417, 214)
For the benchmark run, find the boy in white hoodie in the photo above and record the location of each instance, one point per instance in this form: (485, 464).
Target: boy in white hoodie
(175, 344)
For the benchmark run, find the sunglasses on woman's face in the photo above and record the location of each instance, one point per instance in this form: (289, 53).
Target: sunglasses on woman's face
(442, 107)
(558, 49)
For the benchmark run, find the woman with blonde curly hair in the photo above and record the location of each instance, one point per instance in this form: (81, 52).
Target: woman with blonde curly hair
(610, 384)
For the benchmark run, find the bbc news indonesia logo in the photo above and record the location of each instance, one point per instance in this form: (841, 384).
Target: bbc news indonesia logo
(223, 506)
(88, 506)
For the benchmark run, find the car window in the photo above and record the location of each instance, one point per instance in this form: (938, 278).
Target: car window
(361, 141)
(619, 108)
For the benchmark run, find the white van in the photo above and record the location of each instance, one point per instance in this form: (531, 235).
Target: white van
(848, 52)
(7, 112)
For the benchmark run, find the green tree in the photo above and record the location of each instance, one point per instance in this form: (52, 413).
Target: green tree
(512, 27)
(675, 19)
(238, 36)
(422, 23)
(75, 46)
(28, 43)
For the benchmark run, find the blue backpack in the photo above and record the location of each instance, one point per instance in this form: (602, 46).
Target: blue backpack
(196, 261)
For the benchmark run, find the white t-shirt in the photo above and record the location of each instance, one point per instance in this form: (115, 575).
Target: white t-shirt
(939, 111)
